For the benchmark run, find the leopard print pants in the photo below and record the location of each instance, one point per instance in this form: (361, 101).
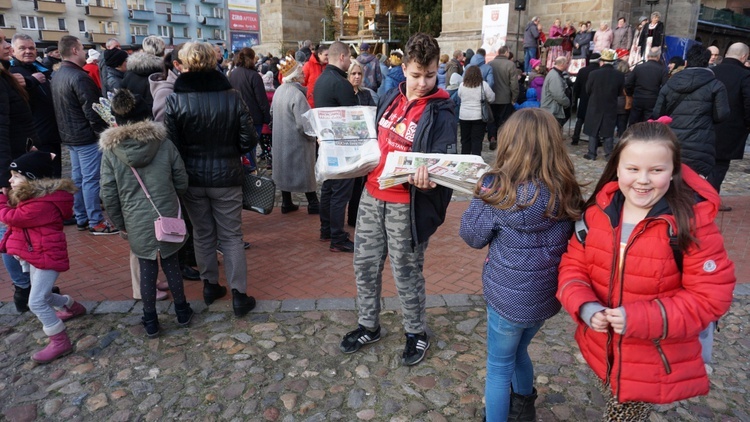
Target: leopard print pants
(634, 411)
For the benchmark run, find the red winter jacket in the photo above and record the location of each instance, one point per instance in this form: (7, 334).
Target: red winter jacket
(312, 69)
(34, 214)
(658, 359)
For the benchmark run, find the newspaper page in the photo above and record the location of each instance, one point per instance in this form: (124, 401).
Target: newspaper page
(459, 172)
(348, 141)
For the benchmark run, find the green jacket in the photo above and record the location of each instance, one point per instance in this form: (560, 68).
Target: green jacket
(144, 146)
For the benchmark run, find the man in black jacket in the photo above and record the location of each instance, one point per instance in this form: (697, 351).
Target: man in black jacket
(73, 94)
(38, 86)
(579, 92)
(604, 86)
(732, 133)
(332, 89)
(111, 44)
(643, 84)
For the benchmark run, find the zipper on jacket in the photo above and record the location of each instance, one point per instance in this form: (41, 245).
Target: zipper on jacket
(571, 282)
(28, 240)
(665, 331)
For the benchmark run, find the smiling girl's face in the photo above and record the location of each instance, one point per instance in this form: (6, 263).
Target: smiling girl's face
(644, 173)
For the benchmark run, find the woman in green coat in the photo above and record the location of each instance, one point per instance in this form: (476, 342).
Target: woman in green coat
(143, 145)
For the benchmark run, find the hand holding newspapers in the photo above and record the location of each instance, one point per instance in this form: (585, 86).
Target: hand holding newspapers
(458, 172)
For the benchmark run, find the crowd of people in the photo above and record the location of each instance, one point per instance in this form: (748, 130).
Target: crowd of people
(187, 123)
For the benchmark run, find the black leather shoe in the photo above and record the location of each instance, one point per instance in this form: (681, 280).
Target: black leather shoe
(190, 273)
(211, 292)
(286, 209)
(21, 298)
(242, 303)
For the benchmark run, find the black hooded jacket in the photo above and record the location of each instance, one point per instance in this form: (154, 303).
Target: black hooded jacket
(40, 100)
(141, 65)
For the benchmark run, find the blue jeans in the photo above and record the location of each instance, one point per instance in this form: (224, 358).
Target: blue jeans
(86, 162)
(507, 361)
(528, 54)
(17, 275)
(253, 154)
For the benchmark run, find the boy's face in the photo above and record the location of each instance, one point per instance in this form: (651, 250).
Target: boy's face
(419, 80)
(16, 179)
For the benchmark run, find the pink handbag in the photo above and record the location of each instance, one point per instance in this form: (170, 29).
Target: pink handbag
(167, 229)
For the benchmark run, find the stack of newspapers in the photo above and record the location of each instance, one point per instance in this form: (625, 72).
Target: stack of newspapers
(458, 172)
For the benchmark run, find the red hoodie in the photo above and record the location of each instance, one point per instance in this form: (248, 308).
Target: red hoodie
(396, 131)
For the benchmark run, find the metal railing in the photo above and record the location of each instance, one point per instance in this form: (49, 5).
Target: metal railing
(724, 17)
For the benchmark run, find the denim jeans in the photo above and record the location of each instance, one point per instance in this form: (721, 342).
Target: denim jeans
(15, 272)
(507, 361)
(528, 54)
(253, 154)
(85, 162)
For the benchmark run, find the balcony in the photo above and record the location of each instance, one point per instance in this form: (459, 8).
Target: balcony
(5, 4)
(100, 11)
(141, 15)
(45, 6)
(724, 17)
(51, 34)
(217, 2)
(178, 18)
(214, 41)
(101, 37)
(180, 40)
(210, 21)
(8, 31)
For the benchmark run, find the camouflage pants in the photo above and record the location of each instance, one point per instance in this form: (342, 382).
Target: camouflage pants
(384, 230)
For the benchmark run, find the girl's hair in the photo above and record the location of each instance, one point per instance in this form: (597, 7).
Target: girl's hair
(679, 196)
(472, 77)
(8, 77)
(531, 150)
(198, 56)
(245, 58)
(542, 70)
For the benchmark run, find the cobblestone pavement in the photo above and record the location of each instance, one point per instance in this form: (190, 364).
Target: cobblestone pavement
(282, 363)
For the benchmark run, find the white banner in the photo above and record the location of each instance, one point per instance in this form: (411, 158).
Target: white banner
(494, 28)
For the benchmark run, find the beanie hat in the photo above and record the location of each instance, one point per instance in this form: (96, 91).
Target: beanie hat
(34, 165)
(115, 57)
(268, 81)
(534, 62)
(287, 66)
(93, 55)
(127, 108)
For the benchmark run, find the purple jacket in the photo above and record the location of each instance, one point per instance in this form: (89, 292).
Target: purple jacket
(537, 83)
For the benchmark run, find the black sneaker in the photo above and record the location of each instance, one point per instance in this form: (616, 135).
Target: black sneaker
(589, 157)
(83, 226)
(354, 340)
(416, 347)
(343, 246)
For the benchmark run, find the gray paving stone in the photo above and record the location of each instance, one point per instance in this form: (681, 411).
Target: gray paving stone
(296, 305)
(90, 305)
(457, 300)
(8, 308)
(114, 306)
(435, 301)
(742, 290)
(336, 304)
(263, 306)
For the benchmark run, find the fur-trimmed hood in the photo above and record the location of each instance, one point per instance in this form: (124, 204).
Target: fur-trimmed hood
(145, 64)
(39, 189)
(134, 144)
(210, 81)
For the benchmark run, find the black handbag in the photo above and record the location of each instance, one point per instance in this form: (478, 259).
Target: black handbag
(486, 110)
(258, 194)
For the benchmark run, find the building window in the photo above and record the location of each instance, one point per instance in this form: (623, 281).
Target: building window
(2, 21)
(199, 33)
(185, 33)
(198, 10)
(139, 29)
(61, 24)
(79, 3)
(109, 27)
(219, 34)
(81, 25)
(162, 30)
(136, 4)
(32, 22)
(219, 12)
(162, 8)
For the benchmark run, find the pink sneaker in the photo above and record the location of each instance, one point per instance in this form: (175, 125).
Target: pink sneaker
(67, 313)
(59, 345)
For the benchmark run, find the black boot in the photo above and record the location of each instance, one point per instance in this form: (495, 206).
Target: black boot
(313, 205)
(184, 313)
(21, 298)
(211, 292)
(242, 303)
(190, 273)
(150, 322)
(522, 407)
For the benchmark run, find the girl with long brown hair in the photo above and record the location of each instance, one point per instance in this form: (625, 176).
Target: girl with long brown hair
(524, 209)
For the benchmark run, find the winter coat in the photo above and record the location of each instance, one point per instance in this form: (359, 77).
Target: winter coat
(582, 39)
(579, 89)
(537, 84)
(645, 80)
(34, 214)
(250, 85)
(705, 103)
(531, 100)
(554, 98)
(293, 151)
(93, 70)
(471, 106)
(335, 90)
(435, 133)
(519, 277)
(604, 86)
(160, 90)
(312, 70)
(73, 93)
(603, 40)
(371, 76)
(732, 132)
(141, 65)
(658, 359)
(211, 127)
(487, 74)
(453, 66)
(531, 36)
(623, 38)
(506, 80)
(366, 97)
(394, 78)
(145, 147)
(40, 100)
(16, 126)
(114, 79)
(441, 75)
(657, 33)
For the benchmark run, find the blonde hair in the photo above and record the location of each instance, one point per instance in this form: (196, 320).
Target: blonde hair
(198, 57)
(531, 151)
(444, 58)
(354, 63)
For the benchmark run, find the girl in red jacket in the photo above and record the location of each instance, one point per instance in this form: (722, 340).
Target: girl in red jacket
(639, 312)
(34, 211)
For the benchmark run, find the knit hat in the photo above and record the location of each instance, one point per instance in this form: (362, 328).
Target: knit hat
(93, 56)
(287, 66)
(642, 18)
(115, 57)
(608, 55)
(127, 108)
(534, 62)
(268, 81)
(34, 165)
